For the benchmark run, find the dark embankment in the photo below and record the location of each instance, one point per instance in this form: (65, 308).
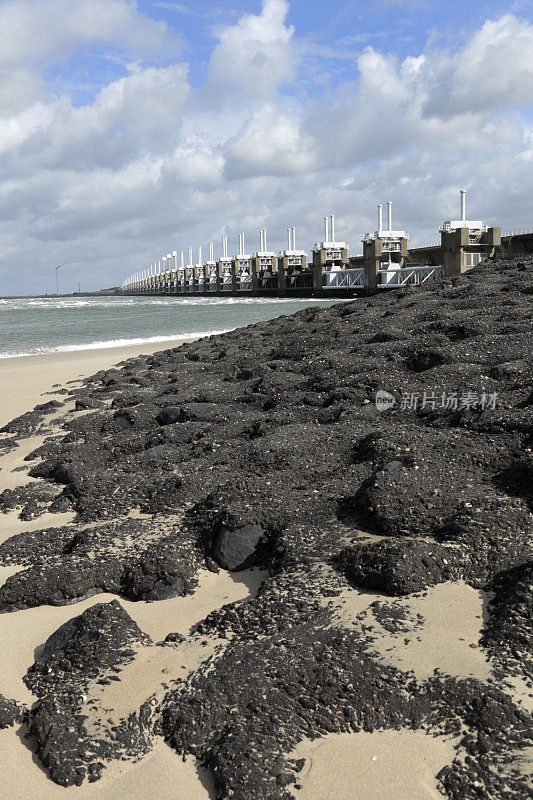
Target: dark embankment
(265, 446)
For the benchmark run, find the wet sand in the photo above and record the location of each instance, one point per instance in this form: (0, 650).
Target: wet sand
(24, 380)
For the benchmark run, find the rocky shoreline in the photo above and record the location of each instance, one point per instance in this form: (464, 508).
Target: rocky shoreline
(264, 448)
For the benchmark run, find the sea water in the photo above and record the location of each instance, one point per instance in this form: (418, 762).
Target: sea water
(35, 326)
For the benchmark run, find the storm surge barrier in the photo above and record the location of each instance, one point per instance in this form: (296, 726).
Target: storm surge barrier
(388, 262)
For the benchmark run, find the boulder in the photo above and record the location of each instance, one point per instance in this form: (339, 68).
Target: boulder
(85, 403)
(84, 648)
(59, 639)
(61, 504)
(385, 336)
(62, 473)
(229, 351)
(249, 372)
(401, 567)
(171, 414)
(172, 639)
(422, 360)
(235, 550)
(164, 591)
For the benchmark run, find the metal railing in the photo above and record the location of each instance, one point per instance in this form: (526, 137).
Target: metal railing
(518, 233)
(299, 280)
(269, 282)
(245, 283)
(227, 283)
(345, 279)
(408, 276)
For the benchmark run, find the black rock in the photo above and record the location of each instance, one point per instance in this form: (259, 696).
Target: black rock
(59, 639)
(164, 591)
(424, 360)
(86, 649)
(174, 638)
(61, 504)
(229, 351)
(85, 402)
(123, 420)
(235, 550)
(62, 473)
(84, 646)
(351, 343)
(171, 414)
(283, 469)
(400, 567)
(249, 372)
(383, 336)
(59, 599)
(10, 712)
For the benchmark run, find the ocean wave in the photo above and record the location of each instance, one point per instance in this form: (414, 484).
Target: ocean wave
(52, 303)
(112, 343)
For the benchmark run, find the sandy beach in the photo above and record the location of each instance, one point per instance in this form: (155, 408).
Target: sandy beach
(366, 671)
(24, 380)
(266, 400)
(22, 775)
(24, 383)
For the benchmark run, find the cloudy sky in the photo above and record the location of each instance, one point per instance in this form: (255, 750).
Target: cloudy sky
(130, 129)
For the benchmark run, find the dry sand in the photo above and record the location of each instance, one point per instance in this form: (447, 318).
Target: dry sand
(11, 525)
(441, 629)
(384, 765)
(24, 382)
(22, 634)
(154, 668)
(161, 775)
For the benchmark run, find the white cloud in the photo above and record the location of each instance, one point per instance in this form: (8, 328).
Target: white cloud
(493, 71)
(47, 30)
(136, 115)
(151, 164)
(19, 88)
(271, 142)
(180, 8)
(18, 128)
(255, 55)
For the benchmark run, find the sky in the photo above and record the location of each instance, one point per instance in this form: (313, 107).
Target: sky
(132, 129)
